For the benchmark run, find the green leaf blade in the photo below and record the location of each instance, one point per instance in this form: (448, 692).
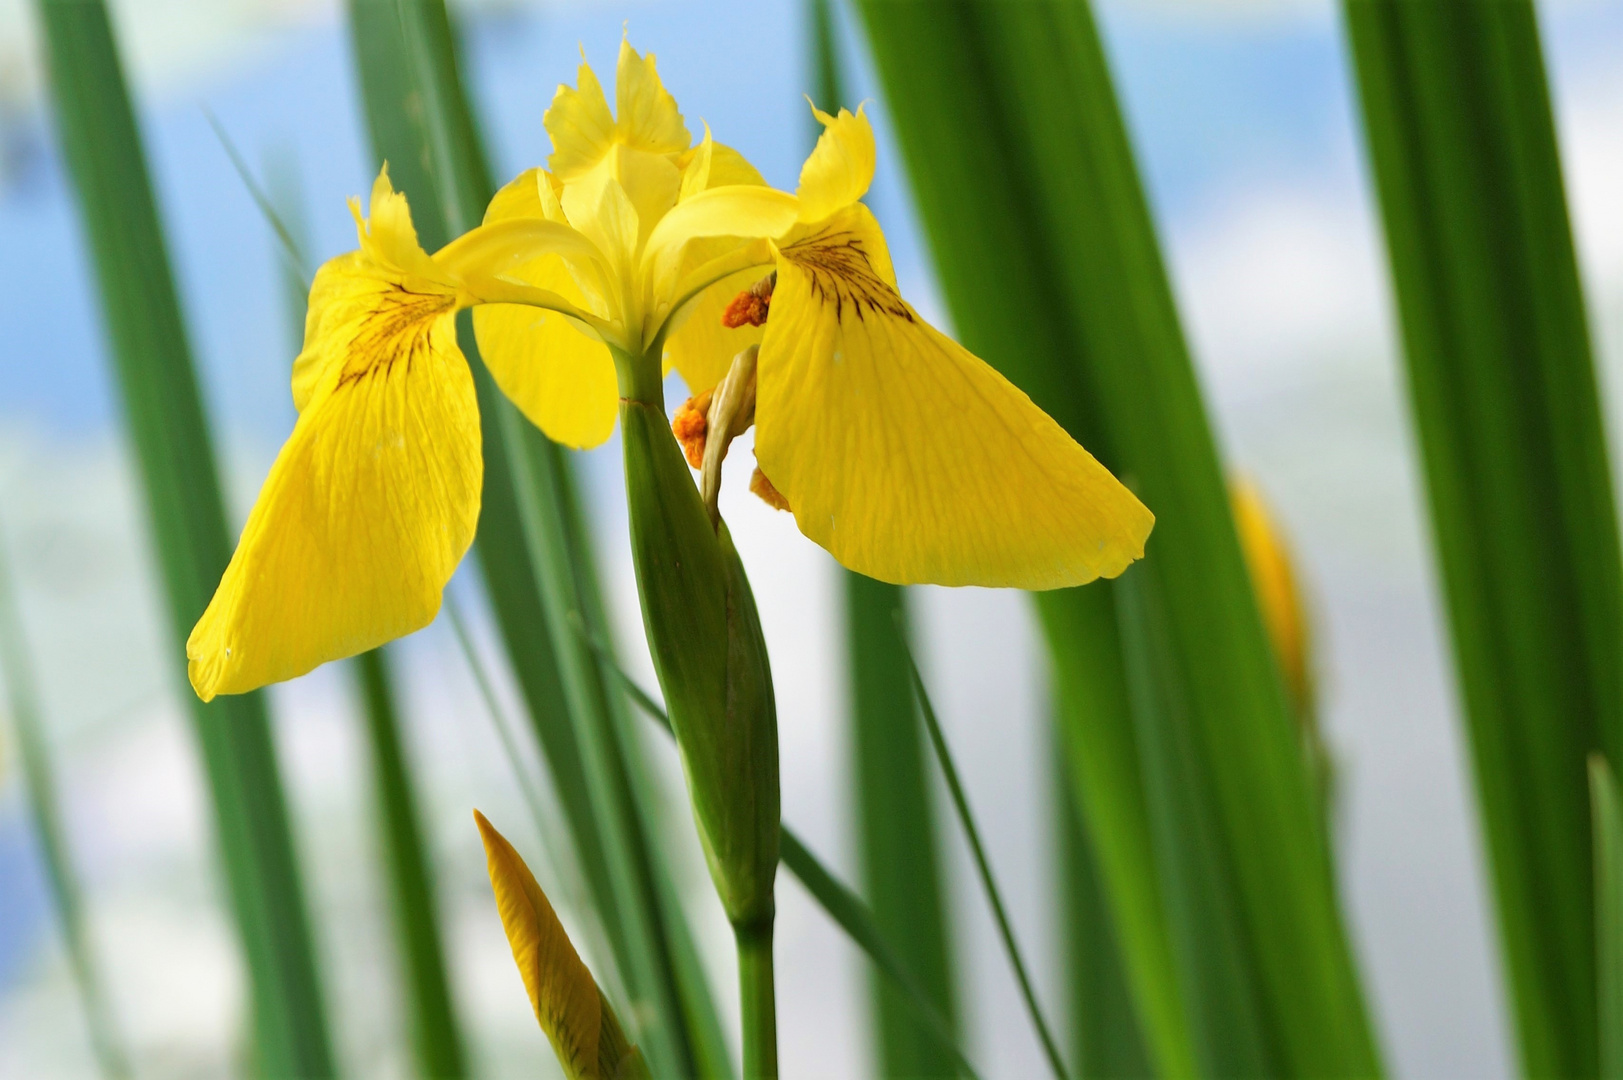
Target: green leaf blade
(1053, 274)
(185, 509)
(1502, 387)
(534, 552)
(1607, 808)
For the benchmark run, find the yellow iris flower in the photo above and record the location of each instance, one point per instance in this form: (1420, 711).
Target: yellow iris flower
(905, 456)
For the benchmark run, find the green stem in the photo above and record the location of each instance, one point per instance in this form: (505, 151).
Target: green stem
(758, 997)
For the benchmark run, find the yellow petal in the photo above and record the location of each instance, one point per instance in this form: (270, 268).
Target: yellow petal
(372, 501)
(601, 209)
(583, 1030)
(1273, 577)
(701, 348)
(559, 378)
(907, 457)
(729, 167)
(581, 126)
(840, 168)
(650, 181)
(741, 211)
(648, 117)
(387, 235)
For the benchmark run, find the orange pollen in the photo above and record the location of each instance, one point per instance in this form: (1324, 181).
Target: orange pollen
(762, 489)
(690, 427)
(750, 307)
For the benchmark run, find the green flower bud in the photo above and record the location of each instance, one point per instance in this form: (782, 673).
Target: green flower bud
(710, 656)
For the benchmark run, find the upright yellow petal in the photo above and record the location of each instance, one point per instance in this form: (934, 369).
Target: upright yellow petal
(581, 126)
(578, 1021)
(560, 378)
(372, 501)
(601, 209)
(648, 118)
(700, 347)
(387, 235)
(907, 457)
(841, 166)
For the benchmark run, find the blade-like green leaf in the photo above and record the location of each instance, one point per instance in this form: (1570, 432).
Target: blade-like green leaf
(535, 557)
(901, 871)
(896, 829)
(1042, 235)
(164, 416)
(1106, 1043)
(1201, 897)
(983, 868)
(1502, 385)
(44, 806)
(435, 1033)
(1608, 826)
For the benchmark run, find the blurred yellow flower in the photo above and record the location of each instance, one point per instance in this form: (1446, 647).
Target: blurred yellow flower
(578, 1020)
(905, 456)
(1273, 578)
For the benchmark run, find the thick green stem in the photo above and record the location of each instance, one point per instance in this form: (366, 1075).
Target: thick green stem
(758, 995)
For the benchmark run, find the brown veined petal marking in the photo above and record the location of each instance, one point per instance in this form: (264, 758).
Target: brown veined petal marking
(372, 501)
(907, 457)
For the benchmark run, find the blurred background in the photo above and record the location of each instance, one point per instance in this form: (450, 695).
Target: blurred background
(1242, 114)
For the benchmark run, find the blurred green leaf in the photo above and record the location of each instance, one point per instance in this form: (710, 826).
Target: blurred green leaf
(535, 555)
(164, 416)
(45, 807)
(901, 871)
(435, 1033)
(1608, 826)
(1042, 236)
(1502, 384)
(1106, 1043)
(896, 829)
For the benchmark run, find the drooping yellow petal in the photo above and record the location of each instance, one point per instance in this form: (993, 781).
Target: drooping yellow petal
(841, 166)
(560, 378)
(647, 115)
(388, 250)
(1273, 577)
(581, 126)
(372, 501)
(907, 457)
(577, 1019)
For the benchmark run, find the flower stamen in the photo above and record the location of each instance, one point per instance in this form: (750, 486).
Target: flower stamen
(762, 489)
(750, 307)
(690, 426)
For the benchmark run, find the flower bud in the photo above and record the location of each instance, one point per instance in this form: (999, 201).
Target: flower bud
(710, 656)
(578, 1020)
